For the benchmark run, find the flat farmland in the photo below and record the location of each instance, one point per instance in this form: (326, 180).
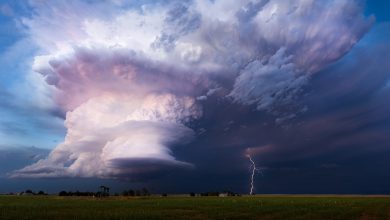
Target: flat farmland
(245, 207)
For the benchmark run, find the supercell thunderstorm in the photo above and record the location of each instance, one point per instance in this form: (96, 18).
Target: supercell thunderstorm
(130, 79)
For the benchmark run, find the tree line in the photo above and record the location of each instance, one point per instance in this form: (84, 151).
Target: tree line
(137, 192)
(78, 193)
(130, 192)
(127, 193)
(30, 192)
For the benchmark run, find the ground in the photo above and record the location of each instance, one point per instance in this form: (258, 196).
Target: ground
(245, 207)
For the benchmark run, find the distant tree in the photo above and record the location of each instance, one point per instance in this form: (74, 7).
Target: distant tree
(229, 193)
(78, 193)
(29, 191)
(145, 192)
(210, 194)
(192, 194)
(63, 193)
(213, 193)
(164, 195)
(137, 192)
(41, 193)
(128, 193)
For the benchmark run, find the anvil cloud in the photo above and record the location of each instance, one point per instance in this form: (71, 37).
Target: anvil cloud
(134, 79)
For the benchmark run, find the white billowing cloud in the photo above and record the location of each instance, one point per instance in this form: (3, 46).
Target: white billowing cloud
(107, 128)
(112, 110)
(129, 76)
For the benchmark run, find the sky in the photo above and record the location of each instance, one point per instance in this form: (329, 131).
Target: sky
(176, 95)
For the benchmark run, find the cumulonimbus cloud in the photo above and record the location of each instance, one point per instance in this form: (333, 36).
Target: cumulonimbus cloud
(129, 78)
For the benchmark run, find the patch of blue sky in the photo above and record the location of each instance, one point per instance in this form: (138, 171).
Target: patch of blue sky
(380, 8)
(380, 32)
(20, 128)
(25, 118)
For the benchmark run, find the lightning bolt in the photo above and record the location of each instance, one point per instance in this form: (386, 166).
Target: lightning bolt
(253, 169)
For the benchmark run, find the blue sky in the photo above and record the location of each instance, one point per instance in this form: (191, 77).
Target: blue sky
(23, 123)
(379, 8)
(316, 119)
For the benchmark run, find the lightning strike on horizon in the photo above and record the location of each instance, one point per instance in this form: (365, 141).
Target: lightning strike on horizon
(253, 170)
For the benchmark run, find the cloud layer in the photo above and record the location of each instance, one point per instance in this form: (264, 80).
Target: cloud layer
(129, 77)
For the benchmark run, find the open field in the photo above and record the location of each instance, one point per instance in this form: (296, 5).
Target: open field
(259, 207)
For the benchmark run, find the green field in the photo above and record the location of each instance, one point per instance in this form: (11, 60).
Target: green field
(259, 207)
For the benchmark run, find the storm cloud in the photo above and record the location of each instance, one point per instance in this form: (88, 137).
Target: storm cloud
(138, 82)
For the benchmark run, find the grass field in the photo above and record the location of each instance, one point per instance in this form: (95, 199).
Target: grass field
(259, 207)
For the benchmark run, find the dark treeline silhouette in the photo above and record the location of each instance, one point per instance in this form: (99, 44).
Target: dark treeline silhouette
(32, 193)
(78, 193)
(210, 194)
(224, 193)
(131, 192)
(104, 191)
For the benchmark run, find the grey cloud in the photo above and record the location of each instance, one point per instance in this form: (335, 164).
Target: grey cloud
(249, 11)
(265, 85)
(12, 157)
(180, 20)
